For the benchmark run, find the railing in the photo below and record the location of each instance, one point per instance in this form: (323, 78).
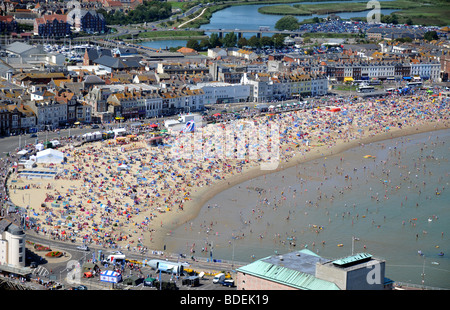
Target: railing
(407, 286)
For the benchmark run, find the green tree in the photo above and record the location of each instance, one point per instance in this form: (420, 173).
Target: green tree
(192, 43)
(430, 36)
(242, 42)
(204, 44)
(254, 42)
(148, 11)
(278, 40)
(287, 23)
(214, 40)
(230, 40)
(266, 41)
(389, 19)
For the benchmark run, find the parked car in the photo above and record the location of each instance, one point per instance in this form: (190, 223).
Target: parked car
(228, 282)
(219, 278)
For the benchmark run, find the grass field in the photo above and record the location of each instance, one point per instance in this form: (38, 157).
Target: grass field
(170, 34)
(214, 7)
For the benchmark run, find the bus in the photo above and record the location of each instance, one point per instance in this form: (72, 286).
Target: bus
(366, 89)
(358, 82)
(414, 84)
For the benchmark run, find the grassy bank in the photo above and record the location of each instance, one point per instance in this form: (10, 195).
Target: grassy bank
(214, 7)
(329, 8)
(429, 12)
(166, 35)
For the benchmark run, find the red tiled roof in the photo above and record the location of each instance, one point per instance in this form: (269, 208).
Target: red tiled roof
(49, 18)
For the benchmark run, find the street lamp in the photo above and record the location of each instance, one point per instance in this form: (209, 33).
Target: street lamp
(353, 242)
(423, 274)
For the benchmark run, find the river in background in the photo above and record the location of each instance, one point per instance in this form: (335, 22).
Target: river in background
(396, 204)
(247, 17)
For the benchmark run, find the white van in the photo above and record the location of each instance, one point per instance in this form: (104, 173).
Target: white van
(219, 278)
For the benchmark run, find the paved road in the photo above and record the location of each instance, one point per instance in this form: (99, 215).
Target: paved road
(12, 143)
(58, 269)
(15, 143)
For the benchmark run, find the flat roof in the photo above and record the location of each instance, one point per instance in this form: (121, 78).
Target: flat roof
(303, 261)
(296, 269)
(357, 258)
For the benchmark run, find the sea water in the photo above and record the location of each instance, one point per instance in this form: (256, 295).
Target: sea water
(391, 204)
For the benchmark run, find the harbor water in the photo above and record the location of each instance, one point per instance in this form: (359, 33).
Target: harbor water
(247, 17)
(393, 204)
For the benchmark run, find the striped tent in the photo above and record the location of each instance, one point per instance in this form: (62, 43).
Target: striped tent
(110, 276)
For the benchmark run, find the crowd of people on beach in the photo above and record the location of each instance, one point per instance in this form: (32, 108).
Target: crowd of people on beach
(107, 195)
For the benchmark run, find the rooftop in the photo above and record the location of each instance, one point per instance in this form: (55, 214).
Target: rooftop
(295, 269)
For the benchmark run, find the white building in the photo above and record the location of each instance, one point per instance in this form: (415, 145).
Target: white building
(261, 87)
(49, 113)
(153, 106)
(217, 52)
(319, 86)
(268, 87)
(427, 71)
(185, 100)
(219, 92)
(12, 245)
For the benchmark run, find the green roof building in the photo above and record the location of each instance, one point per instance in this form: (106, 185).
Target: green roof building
(305, 270)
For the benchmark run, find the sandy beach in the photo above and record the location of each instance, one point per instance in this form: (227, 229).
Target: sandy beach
(92, 201)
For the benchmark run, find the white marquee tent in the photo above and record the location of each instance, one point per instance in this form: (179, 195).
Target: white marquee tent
(49, 156)
(39, 146)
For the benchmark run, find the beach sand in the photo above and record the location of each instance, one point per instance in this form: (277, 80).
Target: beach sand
(177, 197)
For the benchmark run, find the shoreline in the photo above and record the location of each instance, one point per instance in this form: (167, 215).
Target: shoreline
(156, 209)
(200, 197)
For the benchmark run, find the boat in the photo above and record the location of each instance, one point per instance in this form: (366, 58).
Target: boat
(340, 245)
(435, 263)
(441, 254)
